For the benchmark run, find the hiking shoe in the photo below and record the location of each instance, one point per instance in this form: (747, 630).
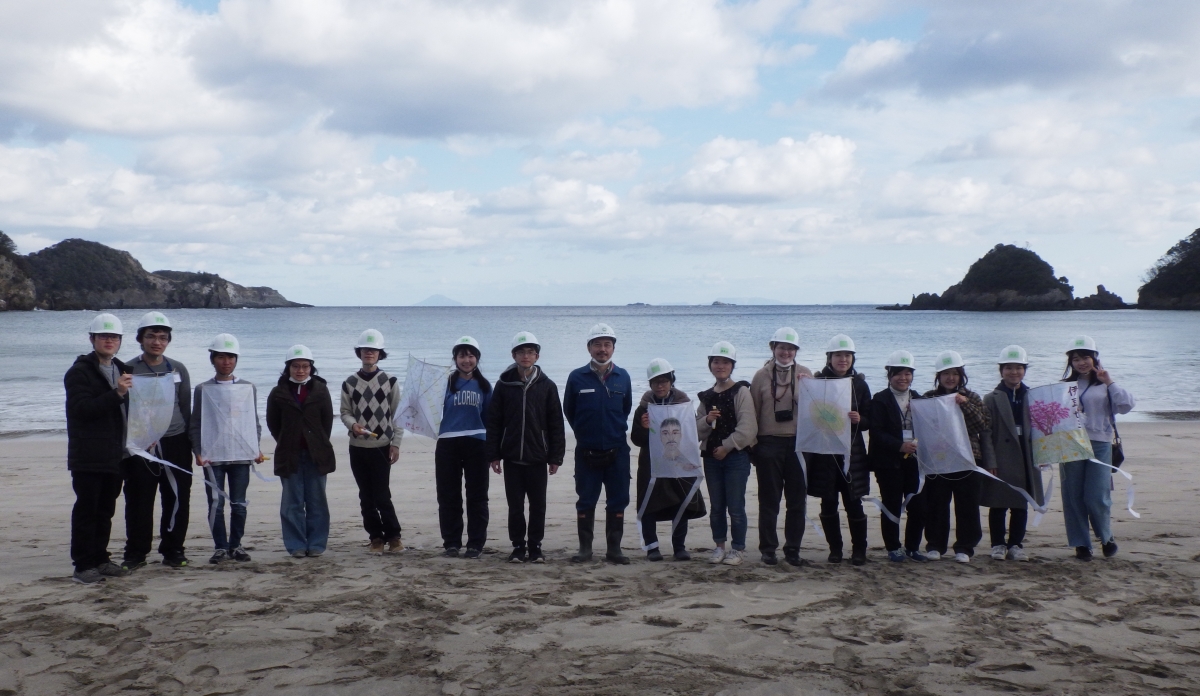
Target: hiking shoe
(1110, 548)
(131, 565)
(962, 558)
(654, 555)
(395, 546)
(518, 555)
(770, 558)
(897, 556)
(239, 554)
(91, 576)
(221, 555)
(932, 555)
(717, 556)
(835, 556)
(111, 570)
(536, 555)
(1016, 553)
(858, 557)
(999, 552)
(451, 552)
(376, 547)
(176, 562)
(914, 555)
(298, 553)
(311, 553)
(1083, 553)
(793, 558)
(734, 557)
(473, 553)
(683, 555)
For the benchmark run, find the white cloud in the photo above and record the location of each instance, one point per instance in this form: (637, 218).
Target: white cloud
(836, 16)
(581, 165)
(596, 132)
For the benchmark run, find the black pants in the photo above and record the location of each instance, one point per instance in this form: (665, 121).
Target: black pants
(779, 476)
(678, 537)
(965, 489)
(852, 503)
(456, 459)
(894, 484)
(523, 481)
(373, 473)
(1019, 519)
(143, 480)
(91, 518)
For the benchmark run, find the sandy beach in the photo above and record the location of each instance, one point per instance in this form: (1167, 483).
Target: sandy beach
(418, 623)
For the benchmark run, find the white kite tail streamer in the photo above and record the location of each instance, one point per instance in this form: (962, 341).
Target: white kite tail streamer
(167, 466)
(1129, 494)
(642, 511)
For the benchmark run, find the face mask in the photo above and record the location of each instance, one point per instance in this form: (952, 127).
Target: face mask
(294, 381)
(785, 365)
(606, 363)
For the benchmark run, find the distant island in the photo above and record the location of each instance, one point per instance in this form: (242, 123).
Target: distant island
(438, 301)
(77, 274)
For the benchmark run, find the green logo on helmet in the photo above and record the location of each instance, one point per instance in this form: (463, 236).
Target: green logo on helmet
(655, 368)
(843, 344)
(1079, 341)
(791, 337)
(522, 337)
(724, 350)
(297, 352)
(1013, 354)
(904, 361)
(370, 338)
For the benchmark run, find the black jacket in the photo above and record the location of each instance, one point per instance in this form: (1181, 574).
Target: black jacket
(887, 433)
(95, 418)
(668, 493)
(525, 420)
(289, 421)
(823, 469)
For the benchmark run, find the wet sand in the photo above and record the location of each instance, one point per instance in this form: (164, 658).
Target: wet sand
(418, 623)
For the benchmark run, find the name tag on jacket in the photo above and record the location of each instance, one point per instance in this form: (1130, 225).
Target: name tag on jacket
(587, 391)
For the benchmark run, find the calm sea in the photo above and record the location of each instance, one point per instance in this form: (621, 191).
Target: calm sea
(1154, 354)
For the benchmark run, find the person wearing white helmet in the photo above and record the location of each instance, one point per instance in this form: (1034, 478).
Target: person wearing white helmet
(893, 458)
(1086, 485)
(300, 418)
(727, 428)
(597, 404)
(829, 475)
(1012, 446)
(367, 405)
(143, 478)
(223, 353)
(780, 475)
(526, 443)
(461, 453)
(668, 493)
(97, 386)
(963, 487)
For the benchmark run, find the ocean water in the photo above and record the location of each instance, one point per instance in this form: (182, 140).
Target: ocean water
(1155, 354)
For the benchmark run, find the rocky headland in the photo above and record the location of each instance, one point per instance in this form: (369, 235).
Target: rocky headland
(1174, 282)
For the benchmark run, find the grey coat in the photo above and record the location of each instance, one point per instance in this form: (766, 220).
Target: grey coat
(1013, 464)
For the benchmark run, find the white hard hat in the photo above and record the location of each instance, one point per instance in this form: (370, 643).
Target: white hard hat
(370, 339)
(787, 335)
(470, 343)
(657, 368)
(723, 349)
(298, 352)
(946, 360)
(1013, 355)
(224, 343)
(840, 343)
(525, 338)
(1082, 343)
(901, 358)
(153, 319)
(602, 330)
(106, 324)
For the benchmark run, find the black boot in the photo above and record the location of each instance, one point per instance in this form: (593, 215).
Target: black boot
(858, 540)
(832, 525)
(614, 528)
(587, 530)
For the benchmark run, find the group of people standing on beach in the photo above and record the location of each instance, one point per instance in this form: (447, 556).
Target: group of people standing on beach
(515, 428)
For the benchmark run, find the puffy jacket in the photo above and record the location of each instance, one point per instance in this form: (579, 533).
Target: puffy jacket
(668, 493)
(288, 421)
(823, 468)
(95, 418)
(599, 411)
(524, 420)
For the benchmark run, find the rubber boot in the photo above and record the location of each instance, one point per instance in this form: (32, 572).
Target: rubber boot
(614, 528)
(858, 540)
(832, 525)
(587, 531)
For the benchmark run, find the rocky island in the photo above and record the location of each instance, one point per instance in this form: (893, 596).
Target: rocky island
(78, 274)
(1011, 279)
(1174, 282)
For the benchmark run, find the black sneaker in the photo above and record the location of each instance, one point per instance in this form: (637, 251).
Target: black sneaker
(91, 576)
(239, 554)
(536, 555)
(770, 558)
(473, 553)
(1110, 548)
(176, 562)
(835, 556)
(518, 555)
(451, 552)
(218, 556)
(654, 555)
(111, 570)
(1083, 553)
(793, 558)
(131, 564)
(683, 555)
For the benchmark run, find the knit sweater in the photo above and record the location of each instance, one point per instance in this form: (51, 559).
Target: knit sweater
(372, 403)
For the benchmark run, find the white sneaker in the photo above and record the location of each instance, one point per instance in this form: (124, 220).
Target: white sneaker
(1016, 553)
(962, 558)
(999, 552)
(717, 556)
(933, 556)
(734, 557)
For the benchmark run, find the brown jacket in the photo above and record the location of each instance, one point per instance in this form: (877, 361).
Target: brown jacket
(288, 421)
(766, 404)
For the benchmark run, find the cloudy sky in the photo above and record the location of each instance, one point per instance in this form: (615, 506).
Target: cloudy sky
(586, 152)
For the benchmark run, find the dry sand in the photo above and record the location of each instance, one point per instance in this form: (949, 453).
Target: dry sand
(418, 623)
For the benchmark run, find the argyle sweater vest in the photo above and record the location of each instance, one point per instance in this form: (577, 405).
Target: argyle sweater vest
(372, 403)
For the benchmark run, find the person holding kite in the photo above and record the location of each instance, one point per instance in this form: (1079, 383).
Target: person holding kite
(461, 452)
(893, 458)
(668, 494)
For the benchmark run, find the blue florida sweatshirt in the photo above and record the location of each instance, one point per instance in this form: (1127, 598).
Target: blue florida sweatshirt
(464, 410)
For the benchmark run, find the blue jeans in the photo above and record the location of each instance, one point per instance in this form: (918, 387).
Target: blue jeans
(726, 480)
(1087, 497)
(614, 478)
(303, 508)
(238, 476)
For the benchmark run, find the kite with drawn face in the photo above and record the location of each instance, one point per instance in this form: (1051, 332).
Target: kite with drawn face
(670, 433)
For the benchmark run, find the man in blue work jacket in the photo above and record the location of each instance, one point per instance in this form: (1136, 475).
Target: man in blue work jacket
(598, 399)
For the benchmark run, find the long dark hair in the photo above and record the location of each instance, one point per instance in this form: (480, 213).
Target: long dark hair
(452, 382)
(962, 378)
(1072, 375)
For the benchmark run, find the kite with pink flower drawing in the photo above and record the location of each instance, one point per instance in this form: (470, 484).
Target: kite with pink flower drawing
(1058, 433)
